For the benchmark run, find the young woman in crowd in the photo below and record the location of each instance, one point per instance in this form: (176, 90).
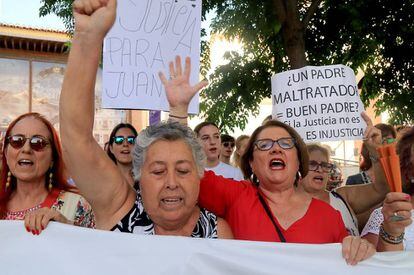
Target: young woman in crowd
(33, 183)
(120, 145)
(241, 143)
(348, 200)
(227, 148)
(385, 227)
(168, 161)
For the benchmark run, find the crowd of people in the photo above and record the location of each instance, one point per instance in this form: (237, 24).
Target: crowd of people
(169, 179)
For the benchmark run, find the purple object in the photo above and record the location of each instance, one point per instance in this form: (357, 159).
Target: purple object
(154, 117)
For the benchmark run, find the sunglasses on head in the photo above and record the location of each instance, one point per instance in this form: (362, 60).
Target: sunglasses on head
(120, 140)
(228, 143)
(37, 143)
(325, 166)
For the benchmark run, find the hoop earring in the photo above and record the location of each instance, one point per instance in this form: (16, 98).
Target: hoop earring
(254, 179)
(298, 175)
(8, 181)
(50, 181)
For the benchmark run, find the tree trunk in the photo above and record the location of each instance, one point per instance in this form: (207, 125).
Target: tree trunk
(293, 35)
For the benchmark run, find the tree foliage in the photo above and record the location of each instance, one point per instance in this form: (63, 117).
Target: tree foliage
(374, 36)
(62, 8)
(276, 35)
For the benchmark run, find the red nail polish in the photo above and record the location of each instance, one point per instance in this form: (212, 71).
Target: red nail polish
(33, 232)
(27, 229)
(42, 227)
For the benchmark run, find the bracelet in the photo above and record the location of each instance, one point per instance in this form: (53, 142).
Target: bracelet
(179, 117)
(389, 238)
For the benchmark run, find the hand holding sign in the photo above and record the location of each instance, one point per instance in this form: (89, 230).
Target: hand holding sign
(94, 16)
(372, 136)
(178, 89)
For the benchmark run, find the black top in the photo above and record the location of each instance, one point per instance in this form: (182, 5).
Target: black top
(138, 222)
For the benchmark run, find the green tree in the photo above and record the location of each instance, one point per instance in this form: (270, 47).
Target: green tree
(62, 8)
(375, 36)
(278, 35)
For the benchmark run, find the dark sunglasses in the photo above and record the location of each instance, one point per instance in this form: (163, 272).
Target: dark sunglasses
(37, 143)
(267, 144)
(228, 143)
(120, 140)
(314, 165)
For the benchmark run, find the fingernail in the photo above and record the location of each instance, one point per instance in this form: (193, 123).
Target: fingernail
(42, 227)
(27, 229)
(33, 232)
(407, 197)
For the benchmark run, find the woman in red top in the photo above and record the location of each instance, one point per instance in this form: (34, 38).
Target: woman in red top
(269, 206)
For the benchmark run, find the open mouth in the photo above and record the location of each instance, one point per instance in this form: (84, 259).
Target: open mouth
(277, 164)
(25, 162)
(318, 179)
(126, 152)
(172, 202)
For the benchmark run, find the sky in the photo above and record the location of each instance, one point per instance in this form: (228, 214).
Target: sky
(26, 13)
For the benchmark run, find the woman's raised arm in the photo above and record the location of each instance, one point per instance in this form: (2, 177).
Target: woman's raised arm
(97, 178)
(362, 197)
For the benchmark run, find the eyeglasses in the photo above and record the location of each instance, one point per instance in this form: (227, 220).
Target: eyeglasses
(267, 143)
(326, 166)
(37, 143)
(228, 143)
(120, 140)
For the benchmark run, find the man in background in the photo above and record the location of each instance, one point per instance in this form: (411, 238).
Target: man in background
(227, 148)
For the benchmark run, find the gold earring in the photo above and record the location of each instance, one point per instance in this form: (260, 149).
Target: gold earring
(8, 180)
(50, 181)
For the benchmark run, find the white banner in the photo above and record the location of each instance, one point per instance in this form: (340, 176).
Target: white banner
(321, 103)
(146, 36)
(63, 249)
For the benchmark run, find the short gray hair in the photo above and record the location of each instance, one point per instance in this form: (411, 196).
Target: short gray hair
(169, 131)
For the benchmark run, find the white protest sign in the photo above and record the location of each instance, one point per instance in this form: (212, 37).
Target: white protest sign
(146, 36)
(321, 103)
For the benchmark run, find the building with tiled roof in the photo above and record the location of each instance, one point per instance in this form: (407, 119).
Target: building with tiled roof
(32, 66)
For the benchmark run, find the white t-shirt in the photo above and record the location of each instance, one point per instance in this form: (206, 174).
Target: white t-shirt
(374, 224)
(227, 171)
